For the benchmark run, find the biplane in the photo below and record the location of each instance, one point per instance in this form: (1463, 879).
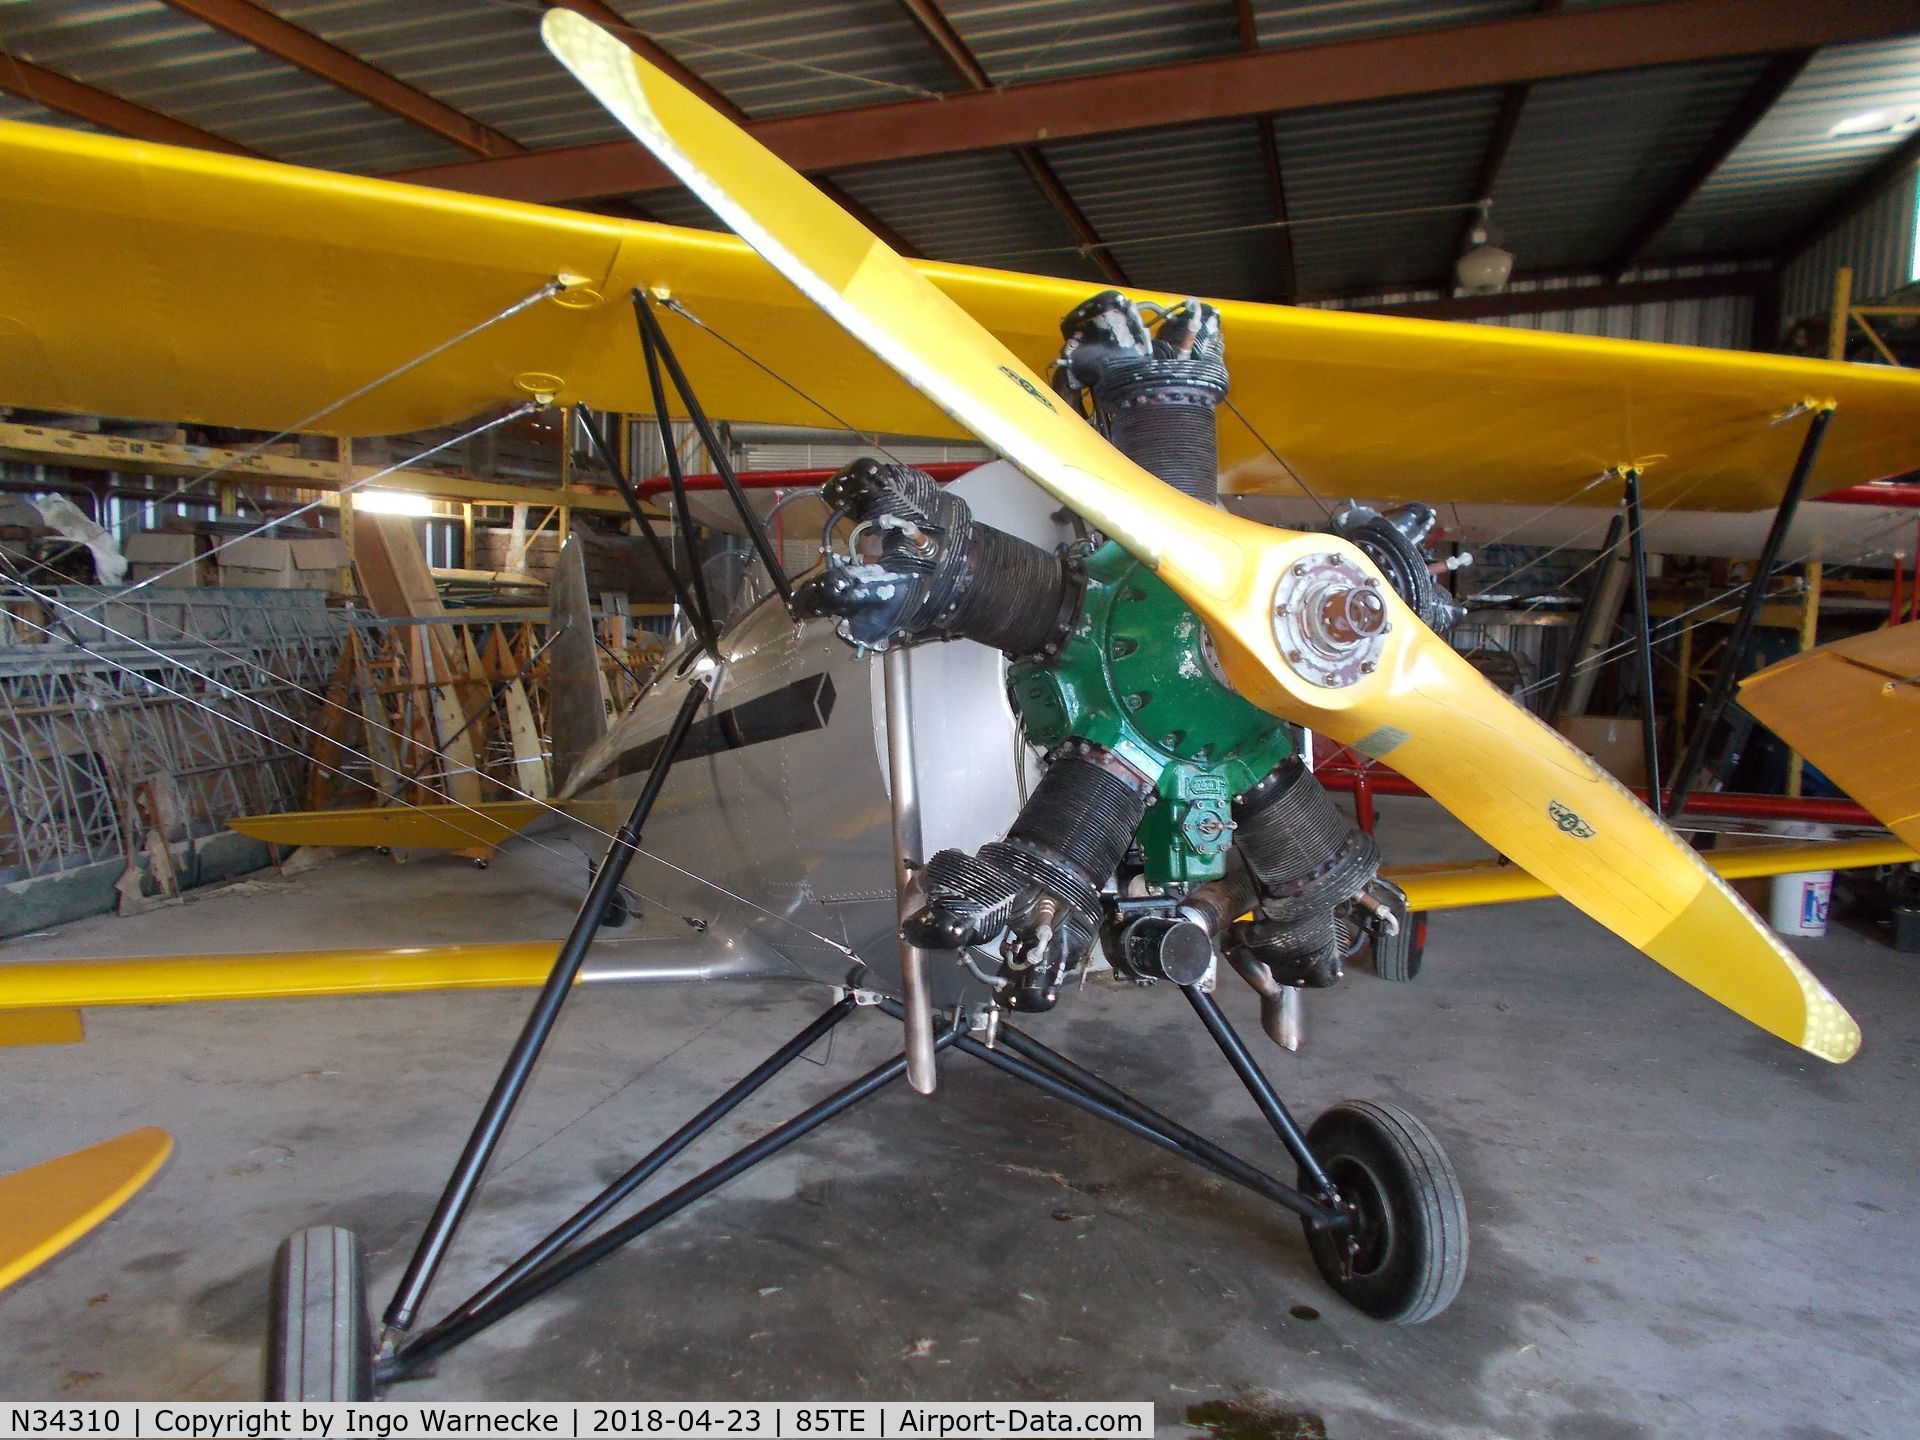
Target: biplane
(1051, 712)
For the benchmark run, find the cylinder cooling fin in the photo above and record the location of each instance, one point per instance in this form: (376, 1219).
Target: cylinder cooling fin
(1306, 861)
(1152, 391)
(930, 571)
(1041, 884)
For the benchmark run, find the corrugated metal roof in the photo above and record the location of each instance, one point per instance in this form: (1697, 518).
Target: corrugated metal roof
(801, 55)
(483, 59)
(152, 54)
(1319, 22)
(1791, 164)
(977, 209)
(1017, 41)
(14, 108)
(1592, 155)
(1163, 200)
(1404, 169)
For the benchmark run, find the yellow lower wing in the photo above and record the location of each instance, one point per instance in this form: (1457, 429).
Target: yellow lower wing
(274, 974)
(46, 1207)
(1450, 885)
(1519, 785)
(397, 827)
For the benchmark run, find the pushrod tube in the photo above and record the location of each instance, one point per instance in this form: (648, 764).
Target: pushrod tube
(1258, 1086)
(514, 1075)
(654, 1161)
(441, 1339)
(908, 844)
(656, 339)
(1735, 652)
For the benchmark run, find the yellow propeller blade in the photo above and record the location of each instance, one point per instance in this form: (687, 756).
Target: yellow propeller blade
(1398, 691)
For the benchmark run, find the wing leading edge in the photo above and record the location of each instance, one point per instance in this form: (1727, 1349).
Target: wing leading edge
(148, 281)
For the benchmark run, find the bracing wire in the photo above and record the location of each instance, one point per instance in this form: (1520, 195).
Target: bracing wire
(54, 602)
(546, 291)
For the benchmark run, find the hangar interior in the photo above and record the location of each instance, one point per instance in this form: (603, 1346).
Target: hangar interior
(356, 612)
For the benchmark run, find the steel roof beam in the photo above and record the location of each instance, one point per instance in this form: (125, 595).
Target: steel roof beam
(58, 92)
(267, 32)
(965, 66)
(1466, 57)
(1781, 72)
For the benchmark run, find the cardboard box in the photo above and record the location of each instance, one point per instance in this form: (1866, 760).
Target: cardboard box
(154, 552)
(1614, 741)
(264, 562)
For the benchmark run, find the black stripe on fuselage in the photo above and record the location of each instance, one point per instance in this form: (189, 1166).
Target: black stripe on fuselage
(794, 709)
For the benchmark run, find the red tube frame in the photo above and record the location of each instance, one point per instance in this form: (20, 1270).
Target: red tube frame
(1731, 805)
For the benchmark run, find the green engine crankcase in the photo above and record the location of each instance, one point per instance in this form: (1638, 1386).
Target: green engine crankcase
(1137, 676)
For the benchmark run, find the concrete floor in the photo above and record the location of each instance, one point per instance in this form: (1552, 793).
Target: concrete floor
(1682, 1227)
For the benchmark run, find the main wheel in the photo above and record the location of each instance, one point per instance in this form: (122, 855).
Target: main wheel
(1405, 1255)
(319, 1340)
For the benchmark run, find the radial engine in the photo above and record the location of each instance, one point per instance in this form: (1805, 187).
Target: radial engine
(1174, 821)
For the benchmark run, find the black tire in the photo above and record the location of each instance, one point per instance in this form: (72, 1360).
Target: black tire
(1398, 957)
(319, 1340)
(1406, 1257)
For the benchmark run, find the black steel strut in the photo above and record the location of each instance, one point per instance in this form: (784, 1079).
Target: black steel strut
(1734, 655)
(1643, 633)
(533, 1283)
(654, 339)
(512, 1081)
(676, 479)
(1258, 1086)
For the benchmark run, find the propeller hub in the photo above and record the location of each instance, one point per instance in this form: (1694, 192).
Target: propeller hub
(1330, 620)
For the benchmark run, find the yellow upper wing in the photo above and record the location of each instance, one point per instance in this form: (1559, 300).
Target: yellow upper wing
(146, 281)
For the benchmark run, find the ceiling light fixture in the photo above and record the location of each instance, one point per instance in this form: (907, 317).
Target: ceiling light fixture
(1484, 267)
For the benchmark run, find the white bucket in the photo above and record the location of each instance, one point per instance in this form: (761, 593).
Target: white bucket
(1800, 902)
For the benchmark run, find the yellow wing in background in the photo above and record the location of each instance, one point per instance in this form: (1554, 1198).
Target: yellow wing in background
(397, 827)
(1853, 709)
(1457, 885)
(1520, 786)
(146, 281)
(47, 1207)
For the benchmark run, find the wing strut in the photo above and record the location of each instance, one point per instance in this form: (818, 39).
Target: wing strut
(518, 1069)
(1736, 647)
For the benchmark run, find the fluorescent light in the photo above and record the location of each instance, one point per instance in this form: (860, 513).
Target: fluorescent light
(392, 502)
(1876, 122)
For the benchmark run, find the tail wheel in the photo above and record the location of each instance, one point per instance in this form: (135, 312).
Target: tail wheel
(1405, 1254)
(319, 1340)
